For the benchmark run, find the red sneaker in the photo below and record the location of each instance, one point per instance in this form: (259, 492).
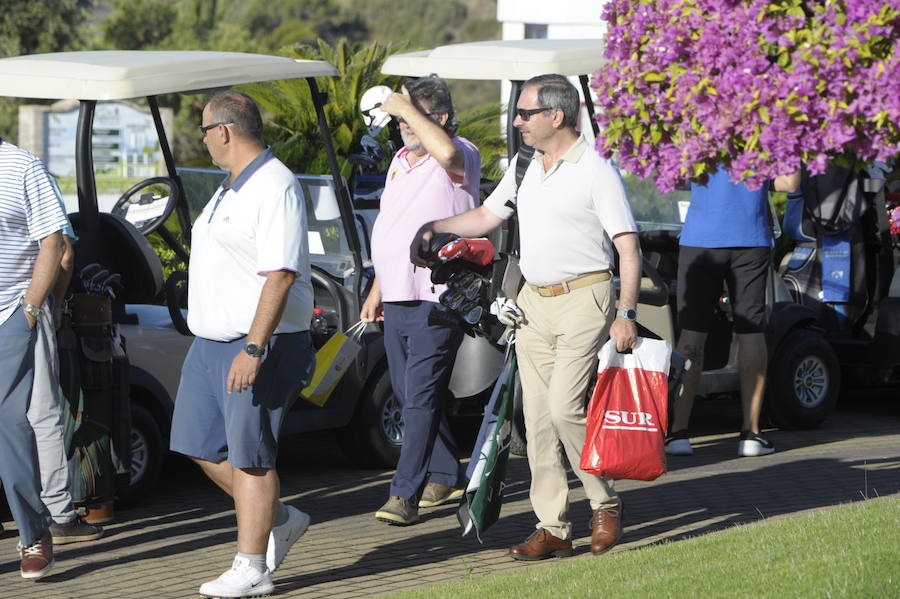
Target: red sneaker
(37, 559)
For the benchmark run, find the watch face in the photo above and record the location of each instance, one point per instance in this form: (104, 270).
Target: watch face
(252, 349)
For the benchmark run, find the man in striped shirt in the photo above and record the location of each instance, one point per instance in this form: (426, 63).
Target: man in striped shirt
(31, 248)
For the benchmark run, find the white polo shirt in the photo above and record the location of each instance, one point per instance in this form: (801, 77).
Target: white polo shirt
(567, 215)
(29, 212)
(254, 226)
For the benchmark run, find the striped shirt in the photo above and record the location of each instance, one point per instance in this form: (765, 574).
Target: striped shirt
(29, 212)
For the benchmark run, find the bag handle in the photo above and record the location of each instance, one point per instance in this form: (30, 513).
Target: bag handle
(355, 332)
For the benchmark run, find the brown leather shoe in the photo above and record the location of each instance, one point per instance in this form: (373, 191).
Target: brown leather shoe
(606, 529)
(37, 559)
(541, 545)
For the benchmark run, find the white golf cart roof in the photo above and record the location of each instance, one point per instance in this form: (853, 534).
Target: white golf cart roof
(515, 60)
(119, 75)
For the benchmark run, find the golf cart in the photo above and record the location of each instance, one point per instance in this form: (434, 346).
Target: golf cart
(845, 266)
(114, 238)
(805, 375)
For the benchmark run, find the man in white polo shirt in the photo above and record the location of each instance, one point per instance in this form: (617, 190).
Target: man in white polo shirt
(435, 175)
(572, 210)
(31, 247)
(249, 304)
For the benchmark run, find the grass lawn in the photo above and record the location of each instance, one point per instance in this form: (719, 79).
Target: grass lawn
(849, 551)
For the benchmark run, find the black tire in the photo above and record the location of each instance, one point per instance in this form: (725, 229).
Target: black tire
(146, 456)
(375, 435)
(517, 444)
(804, 380)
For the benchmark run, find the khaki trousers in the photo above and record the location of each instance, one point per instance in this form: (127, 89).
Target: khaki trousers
(556, 351)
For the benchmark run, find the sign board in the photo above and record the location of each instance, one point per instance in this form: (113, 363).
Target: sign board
(124, 141)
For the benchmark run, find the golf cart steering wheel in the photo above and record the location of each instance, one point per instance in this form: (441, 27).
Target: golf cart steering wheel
(149, 210)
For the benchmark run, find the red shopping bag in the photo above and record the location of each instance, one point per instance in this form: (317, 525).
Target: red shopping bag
(628, 413)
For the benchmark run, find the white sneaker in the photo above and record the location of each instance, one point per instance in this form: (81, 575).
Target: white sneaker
(242, 580)
(752, 445)
(678, 443)
(283, 537)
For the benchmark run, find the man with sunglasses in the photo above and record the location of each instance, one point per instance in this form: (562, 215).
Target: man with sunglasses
(435, 175)
(572, 209)
(250, 302)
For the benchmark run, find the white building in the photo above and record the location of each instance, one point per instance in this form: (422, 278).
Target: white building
(554, 19)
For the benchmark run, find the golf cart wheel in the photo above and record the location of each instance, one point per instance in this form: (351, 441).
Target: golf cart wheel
(804, 380)
(146, 456)
(375, 434)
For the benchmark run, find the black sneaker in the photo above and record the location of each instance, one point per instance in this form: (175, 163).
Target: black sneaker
(751, 445)
(75, 531)
(678, 443)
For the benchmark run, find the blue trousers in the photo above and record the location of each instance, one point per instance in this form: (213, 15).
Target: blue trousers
(420, 359)
(19, 469)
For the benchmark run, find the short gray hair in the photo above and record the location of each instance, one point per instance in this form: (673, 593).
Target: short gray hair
(240, 110)
(557, 92)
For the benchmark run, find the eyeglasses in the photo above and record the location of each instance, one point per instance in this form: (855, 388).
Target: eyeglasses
(205, 128)
(526, 113)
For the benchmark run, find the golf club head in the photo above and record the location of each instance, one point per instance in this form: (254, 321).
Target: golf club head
(95, 283)
(88, 271)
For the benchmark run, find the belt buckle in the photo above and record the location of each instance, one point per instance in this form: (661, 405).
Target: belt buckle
(558, 289)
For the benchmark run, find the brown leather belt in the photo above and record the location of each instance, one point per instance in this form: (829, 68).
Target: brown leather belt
(567, 286)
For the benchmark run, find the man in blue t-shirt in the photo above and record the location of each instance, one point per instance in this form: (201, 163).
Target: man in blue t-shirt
(726, 240)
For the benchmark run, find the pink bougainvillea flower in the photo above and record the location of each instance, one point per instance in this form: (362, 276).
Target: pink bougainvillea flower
(759, 86)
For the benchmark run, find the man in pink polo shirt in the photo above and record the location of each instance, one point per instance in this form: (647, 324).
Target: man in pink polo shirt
(435, 175)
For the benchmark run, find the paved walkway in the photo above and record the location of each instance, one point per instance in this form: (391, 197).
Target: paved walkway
(183, 535)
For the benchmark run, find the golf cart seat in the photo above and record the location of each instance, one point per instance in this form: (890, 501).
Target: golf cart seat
(124, 250)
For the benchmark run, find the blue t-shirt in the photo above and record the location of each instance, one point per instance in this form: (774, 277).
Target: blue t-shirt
(723, 214)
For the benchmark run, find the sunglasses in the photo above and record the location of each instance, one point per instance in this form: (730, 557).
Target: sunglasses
(430, 115)
(205, 128)
(526, 113)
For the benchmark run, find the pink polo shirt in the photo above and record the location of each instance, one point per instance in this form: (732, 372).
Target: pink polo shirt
(414, 195)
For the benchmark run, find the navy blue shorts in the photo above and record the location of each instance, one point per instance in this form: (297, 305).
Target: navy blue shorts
(242, 428)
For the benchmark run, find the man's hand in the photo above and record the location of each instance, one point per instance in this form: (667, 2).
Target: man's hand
(624, 331)
(31, 320)
(372, 308)
(420, 248)
(398, 104)
(243, 372)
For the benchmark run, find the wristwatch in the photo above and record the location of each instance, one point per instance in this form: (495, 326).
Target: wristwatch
(629, 314)
(255, 351)
(31, 309)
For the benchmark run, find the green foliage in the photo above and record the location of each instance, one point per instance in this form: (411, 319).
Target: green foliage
(133, 26)
(39, 26)
(170, 261)
(33, 27)
(481, 126)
